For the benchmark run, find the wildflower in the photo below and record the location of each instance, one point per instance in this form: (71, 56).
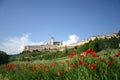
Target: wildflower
(79, 62)
(93, 66)
(73, 65)
(61, 63)
(73, 53)
(109, 63)
(82, 55)
(10, 66)
(58, 73)
(34, 69)
(46, 70)
(118, 54)
(40, 66)
(92, 52)
(66, 60)
(95, 55)
(53, 64)
(88, 51)
(70, 56)
(79, 55)
(67, 68)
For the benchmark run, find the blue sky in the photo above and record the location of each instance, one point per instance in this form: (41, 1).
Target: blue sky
(26, 22)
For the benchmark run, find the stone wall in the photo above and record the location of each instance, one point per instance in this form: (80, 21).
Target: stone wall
(40, 47)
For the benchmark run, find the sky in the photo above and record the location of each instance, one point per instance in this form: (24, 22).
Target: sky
(33, 22)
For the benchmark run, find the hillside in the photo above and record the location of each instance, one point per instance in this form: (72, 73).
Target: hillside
(89, 65)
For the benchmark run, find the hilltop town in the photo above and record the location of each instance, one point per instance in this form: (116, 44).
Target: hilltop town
(53, 45)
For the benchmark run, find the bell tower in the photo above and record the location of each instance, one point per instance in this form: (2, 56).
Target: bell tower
(52, 40)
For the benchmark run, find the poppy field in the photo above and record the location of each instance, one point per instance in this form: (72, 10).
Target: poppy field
(75, 66)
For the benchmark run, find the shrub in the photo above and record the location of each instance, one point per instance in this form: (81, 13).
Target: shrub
(3, 57)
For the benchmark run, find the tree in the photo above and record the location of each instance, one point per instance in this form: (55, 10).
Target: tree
(83, 47)
(3, 57)
(93, 45)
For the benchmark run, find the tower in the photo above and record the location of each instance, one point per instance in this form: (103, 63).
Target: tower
(52, 40)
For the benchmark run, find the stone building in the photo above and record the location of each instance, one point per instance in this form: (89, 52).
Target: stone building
(52, 42)
(50, 45)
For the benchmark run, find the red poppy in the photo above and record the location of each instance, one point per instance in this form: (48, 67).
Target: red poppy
(70, 56)
(34, 69)
(67, 60)
(53, 64)
(79, 55)
(118, 54)
(67, 68)
(46, 70)
(58, 73)
(40, 66)
(82, 55)
(61, 63)
(95, 55)
(109, 63)
(93, 66)
(88, 51)
(11, 66)
(92, 52)
(73, 53)
(79, 62)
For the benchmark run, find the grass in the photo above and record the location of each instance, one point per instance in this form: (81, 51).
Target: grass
(72, 67)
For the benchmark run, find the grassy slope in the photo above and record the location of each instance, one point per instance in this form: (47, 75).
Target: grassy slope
(84, 72)
(108, 51)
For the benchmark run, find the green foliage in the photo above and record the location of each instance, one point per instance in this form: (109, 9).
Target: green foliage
(102, 44)
(70, 70)
(3, 57)
(40, 55)
(93, 45)
(83, 47)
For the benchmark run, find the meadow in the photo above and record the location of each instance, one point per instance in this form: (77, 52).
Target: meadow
(88, 65)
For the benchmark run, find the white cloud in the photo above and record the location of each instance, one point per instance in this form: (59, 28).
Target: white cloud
(16, 45)
(72, 39)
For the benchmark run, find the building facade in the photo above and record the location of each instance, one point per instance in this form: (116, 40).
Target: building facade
(50, 45)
